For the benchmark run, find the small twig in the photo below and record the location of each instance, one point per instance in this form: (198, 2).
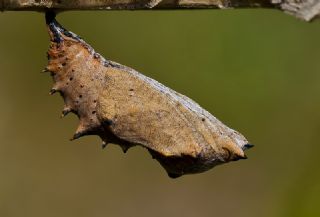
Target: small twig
(303, 9)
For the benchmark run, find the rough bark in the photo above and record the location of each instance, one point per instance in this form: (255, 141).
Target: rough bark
(303, 9)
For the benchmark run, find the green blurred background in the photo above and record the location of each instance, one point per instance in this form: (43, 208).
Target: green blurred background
(256, 70)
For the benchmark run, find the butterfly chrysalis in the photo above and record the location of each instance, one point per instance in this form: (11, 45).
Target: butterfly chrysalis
(124, 107)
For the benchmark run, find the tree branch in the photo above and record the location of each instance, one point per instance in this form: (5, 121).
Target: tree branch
(303, 9)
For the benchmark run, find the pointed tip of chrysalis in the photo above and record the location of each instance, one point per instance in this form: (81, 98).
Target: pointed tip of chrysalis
(248, 146)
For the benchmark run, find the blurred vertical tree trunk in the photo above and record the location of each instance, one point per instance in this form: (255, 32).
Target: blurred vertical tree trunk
(304, 9)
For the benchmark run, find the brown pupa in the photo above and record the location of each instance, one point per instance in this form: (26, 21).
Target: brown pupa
(124, 107)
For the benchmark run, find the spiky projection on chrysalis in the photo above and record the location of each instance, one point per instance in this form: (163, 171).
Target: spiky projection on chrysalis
(124, 107)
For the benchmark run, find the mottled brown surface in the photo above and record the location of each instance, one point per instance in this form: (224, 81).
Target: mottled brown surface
(127, 108)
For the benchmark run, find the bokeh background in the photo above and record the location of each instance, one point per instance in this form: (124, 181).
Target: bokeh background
(256, 70)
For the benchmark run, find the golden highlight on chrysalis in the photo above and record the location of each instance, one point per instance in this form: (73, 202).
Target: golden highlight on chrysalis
(124, 107)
